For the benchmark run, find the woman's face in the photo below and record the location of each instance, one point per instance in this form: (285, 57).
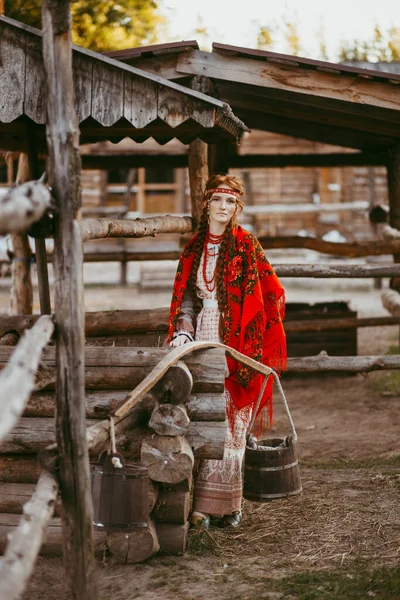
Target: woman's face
(222, 207)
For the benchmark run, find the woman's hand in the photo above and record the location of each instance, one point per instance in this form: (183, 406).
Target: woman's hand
(180, 339)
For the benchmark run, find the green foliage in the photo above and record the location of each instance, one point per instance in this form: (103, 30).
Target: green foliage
(292, 38)
(101, 26)
(359, 584)
(265, 38)
(366, 463)
(384, 46)
(109, 25)
(27, 11)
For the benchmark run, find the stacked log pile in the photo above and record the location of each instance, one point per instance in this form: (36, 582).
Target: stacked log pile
(182, 418)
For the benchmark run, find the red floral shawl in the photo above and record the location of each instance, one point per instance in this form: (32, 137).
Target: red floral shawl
(252, 318)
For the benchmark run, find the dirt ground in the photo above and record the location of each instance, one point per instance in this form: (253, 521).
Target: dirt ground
(339, 539)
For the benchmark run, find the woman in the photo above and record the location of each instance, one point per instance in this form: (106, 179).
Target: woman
(225, 290)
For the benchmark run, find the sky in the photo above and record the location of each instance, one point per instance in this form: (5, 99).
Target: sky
(237, 22)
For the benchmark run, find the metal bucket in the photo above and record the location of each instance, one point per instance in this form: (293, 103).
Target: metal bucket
(120, 495)
(271, 470)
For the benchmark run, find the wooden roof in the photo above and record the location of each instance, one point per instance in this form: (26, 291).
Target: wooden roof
(113, 100)
(314, 100)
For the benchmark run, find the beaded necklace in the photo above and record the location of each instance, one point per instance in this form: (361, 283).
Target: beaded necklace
(215, 240)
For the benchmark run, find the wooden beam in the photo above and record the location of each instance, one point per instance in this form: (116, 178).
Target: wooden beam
(64, 166)
(26, 540)
(316, 132)
(176, 161)
(342, 323)
(349, 249)
(94, 229)
(338, 271)
(40, 243)
(346, 88)
(22, 296)
(198, 158)
(393, 167)
(238, 161)
(322, 363)
(312, 110)
(17, 380)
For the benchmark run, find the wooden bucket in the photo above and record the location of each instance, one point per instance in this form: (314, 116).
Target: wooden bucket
(120, 495)
(271, 470)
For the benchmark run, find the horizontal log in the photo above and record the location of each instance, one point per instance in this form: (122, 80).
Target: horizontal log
(338, 324)
(9, 339)
(26, 539)
(175, 386)
(172, 538)
(98, 323)
(207, 438)
(94, 229)
(134, 546)
(206, 407)
(30, 436)
(129, 323)
(306, 208)
(169, 419)
(342, 364)
(100, 404)
(172, 506)
(34, 434)
(349, 249)
(122, 368)
(391, 301)
(168, 459)
(17, 379)
(338, 271)
(126, 321)
(139, 340)
(19, 468)
(13, 496)
(53, 544)
(205, 379)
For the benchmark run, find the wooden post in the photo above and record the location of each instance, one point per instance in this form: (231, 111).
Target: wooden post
(10, 167)
(198, 158)
(65, 167)
(40, 243)
(21, 291)
(393, 175)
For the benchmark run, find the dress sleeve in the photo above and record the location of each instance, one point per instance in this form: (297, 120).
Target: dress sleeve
(187, 315)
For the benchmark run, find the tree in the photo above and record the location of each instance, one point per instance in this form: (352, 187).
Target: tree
(292, 38)
(101, 26)
(265, 39)
(384, 46)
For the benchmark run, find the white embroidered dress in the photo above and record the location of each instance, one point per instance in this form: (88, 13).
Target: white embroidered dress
(218, 486)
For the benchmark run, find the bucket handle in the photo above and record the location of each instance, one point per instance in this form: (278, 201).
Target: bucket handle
(285, 404)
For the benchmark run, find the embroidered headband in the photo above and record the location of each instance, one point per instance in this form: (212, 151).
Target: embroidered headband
(222, 190)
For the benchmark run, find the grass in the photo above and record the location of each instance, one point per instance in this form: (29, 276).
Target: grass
(388, 381)
(358, 584)
(368, 463)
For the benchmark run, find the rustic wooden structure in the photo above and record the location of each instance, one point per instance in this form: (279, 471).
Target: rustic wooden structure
(44, 78)
(142, 417)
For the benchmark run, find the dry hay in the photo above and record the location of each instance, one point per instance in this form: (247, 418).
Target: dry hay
(341, 516)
